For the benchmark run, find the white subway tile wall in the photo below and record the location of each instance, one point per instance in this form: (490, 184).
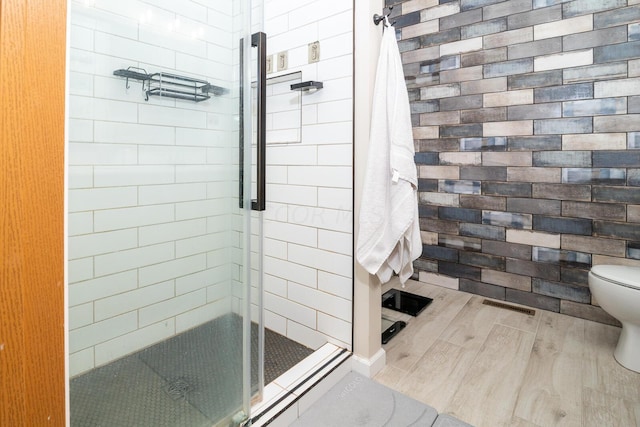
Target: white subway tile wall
(308, 222)
(152, 183)
(148, 179)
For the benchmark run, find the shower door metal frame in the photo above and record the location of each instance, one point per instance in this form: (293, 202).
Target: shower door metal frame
(246, 203)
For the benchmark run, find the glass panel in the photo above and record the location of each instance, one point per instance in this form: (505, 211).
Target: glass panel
(159, 325)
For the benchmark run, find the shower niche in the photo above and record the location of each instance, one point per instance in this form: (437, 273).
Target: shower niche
(284, 109)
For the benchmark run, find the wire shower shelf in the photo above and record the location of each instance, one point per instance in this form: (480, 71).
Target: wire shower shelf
(171, 85)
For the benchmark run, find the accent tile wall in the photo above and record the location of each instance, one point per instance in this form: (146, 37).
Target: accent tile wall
(526, 118)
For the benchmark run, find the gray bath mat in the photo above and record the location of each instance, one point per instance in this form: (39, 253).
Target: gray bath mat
(359, 401)
(445, 420)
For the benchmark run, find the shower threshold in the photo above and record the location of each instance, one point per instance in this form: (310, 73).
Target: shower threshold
(325, 367)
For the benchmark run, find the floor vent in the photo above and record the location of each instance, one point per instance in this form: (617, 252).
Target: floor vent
(523, 310)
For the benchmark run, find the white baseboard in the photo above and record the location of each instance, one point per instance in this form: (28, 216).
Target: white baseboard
(369, 367)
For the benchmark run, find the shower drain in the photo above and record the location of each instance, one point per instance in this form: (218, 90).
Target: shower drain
(178, 389)
(523, 310)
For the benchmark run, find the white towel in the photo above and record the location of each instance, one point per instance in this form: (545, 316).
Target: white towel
(389, 234)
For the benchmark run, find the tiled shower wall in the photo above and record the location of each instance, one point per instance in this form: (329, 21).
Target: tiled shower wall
(526, 118)
(150, 247)
(308, 220)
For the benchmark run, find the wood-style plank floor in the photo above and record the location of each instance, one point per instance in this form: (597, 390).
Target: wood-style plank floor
(494, 367)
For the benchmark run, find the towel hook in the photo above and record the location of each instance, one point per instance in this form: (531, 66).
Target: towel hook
(379, 18)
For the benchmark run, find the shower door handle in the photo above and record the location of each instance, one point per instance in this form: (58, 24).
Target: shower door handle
(259, 40)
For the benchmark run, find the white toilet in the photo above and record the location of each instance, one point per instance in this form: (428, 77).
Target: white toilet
(617, 289)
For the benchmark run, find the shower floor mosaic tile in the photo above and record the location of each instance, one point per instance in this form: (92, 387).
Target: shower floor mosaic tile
(189, 380)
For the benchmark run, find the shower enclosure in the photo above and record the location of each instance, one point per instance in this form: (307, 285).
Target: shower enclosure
(164, 200)
(169, 321)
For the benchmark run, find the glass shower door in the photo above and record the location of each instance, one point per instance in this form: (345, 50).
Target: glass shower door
(159, 235)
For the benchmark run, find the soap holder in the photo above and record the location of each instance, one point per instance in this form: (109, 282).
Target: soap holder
(307, 86)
